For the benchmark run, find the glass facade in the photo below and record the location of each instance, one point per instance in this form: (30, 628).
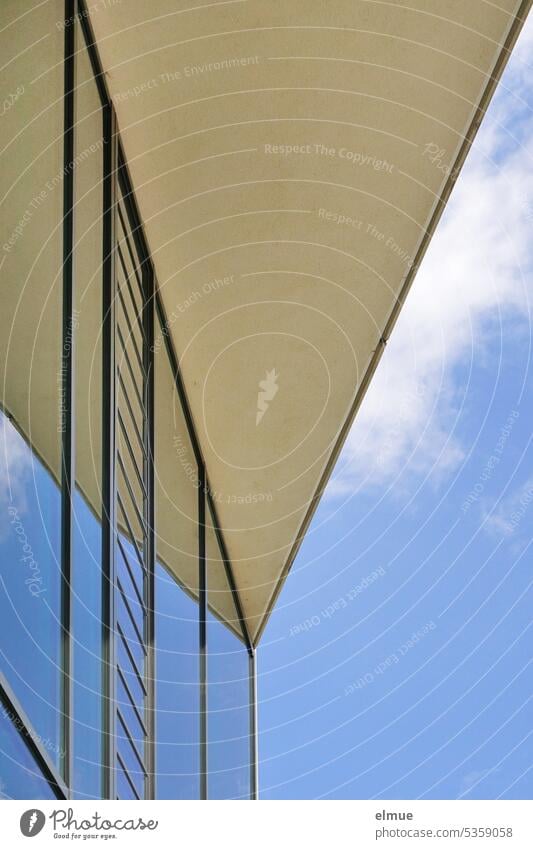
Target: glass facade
(124, 666)
(87, 510)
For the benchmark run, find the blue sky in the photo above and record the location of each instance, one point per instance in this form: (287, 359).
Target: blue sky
(396, 663)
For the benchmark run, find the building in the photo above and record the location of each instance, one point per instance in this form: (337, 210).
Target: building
(211, 218)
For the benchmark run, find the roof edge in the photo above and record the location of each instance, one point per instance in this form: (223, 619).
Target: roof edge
(502, 58)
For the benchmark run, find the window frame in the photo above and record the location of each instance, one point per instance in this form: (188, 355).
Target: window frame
(116, 180)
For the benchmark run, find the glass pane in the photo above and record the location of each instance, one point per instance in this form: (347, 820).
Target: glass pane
(132, 541)
(130, 673)
(132, 717)
(87, 533)
(124, 787)
(20, 777)
(177, 696)
(129, 755)
(31, 185)
(176, 593)
(30, 585)
(130, 628)
(228, 686)
(87, 602)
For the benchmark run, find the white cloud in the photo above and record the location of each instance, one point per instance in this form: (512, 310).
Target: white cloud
(15, 469)
(475, 276)
(506, 518)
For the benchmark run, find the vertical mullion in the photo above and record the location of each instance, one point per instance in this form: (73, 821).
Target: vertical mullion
(67, 389)
(148, 362)
(254, 760)
(202, 610)
(108, 457)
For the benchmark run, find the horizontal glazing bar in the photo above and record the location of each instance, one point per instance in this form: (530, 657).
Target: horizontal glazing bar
(129, 473)
(131, 658)
(130, 635)
(127, 777)
(139, 515)
(133, 260)
(132, 538)
(131, 702)
(137, 308)
(131, 616)
(133, 585)
(130, 677)
(132, 415)
(129, 569)
(131, 742)
(131, 331)
(131, 452)
(123, 356)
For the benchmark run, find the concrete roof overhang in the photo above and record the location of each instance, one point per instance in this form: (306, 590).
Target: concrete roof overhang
(291, 161)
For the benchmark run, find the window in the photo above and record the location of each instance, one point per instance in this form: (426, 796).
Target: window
(177, 632)
(86, 520)
(134, 533)
(178, 693)
(228, 674)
